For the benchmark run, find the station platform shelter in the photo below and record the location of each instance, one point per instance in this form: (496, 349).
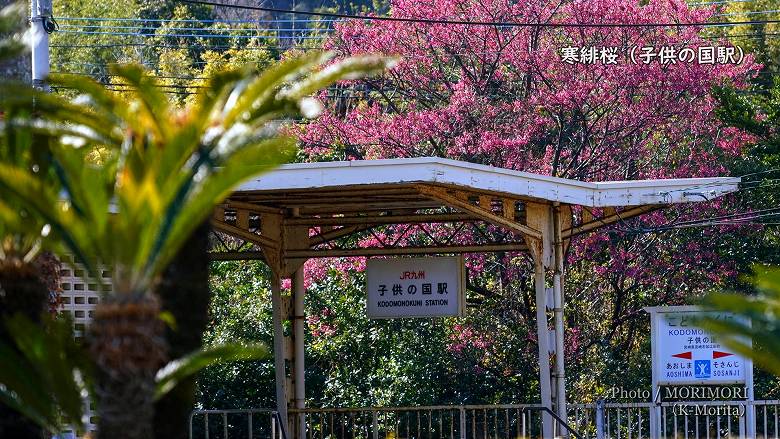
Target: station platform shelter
(316, 210)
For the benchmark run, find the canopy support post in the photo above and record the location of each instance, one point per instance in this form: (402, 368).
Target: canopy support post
(543, 337)
(538, 217)
(299, 367)
(280, 368)
(548, 253)
(558, 300)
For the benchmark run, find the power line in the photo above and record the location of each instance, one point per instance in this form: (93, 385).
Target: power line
(740, 218)
(132, 34)
(719, 2)
(313, 33)
(741, 215)
(743, 186)
(704, 223)
(127, 90)
(707, 224)
(173, 46)
(477, 23)
(300, 21)
(768, 171)
(185, 20)
(314, 36)
(319, 33)
(747, 13)
(182, 78)
(203, 29)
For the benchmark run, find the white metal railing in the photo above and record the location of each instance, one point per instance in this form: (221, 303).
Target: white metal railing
(683, 419)
(603, 420)
(612, 420)
(249, 423)
(440, 422)
(434, 422)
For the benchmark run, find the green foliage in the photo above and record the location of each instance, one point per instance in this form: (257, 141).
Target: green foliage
(757, 114)
(180, 60)
(374, 362)
(22, 233)
(45, 373)
(761, 43)
(755, 333)
(90, 55)
(11, 44)
(181, 53)
(240, 311)
(156, 9)
(134, 178)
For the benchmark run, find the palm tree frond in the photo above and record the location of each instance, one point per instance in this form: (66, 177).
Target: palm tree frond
(256, 94)
(35, 195)
(251, 160)
(350, 68)
(154, 105)
(754, 332)
(176, 371)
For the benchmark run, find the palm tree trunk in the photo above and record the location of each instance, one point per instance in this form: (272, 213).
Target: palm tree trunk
(184, 292)
(127, 344)
(21, 292)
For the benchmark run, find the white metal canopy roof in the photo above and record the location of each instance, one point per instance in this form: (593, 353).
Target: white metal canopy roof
(439, 171)
(326, 209)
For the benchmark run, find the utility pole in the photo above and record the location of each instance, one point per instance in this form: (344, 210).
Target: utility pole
(293, 22)
(41, 25)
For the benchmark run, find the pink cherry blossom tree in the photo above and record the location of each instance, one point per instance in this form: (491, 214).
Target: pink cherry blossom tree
(566, 101)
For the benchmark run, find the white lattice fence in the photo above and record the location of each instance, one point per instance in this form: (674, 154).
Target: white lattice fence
(80, 295)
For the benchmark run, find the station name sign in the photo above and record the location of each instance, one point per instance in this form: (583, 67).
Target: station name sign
(685, 354)
(415, 287)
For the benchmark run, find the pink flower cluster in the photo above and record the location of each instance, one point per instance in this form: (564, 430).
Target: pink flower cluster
(465, 337)
(321, 325)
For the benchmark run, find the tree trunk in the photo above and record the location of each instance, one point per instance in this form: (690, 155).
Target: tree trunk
(21, 291)
(127, 344)
(184, 292)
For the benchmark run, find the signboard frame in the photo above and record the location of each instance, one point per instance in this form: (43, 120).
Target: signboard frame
(657, 312)
(460, 291)
(747, 424)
